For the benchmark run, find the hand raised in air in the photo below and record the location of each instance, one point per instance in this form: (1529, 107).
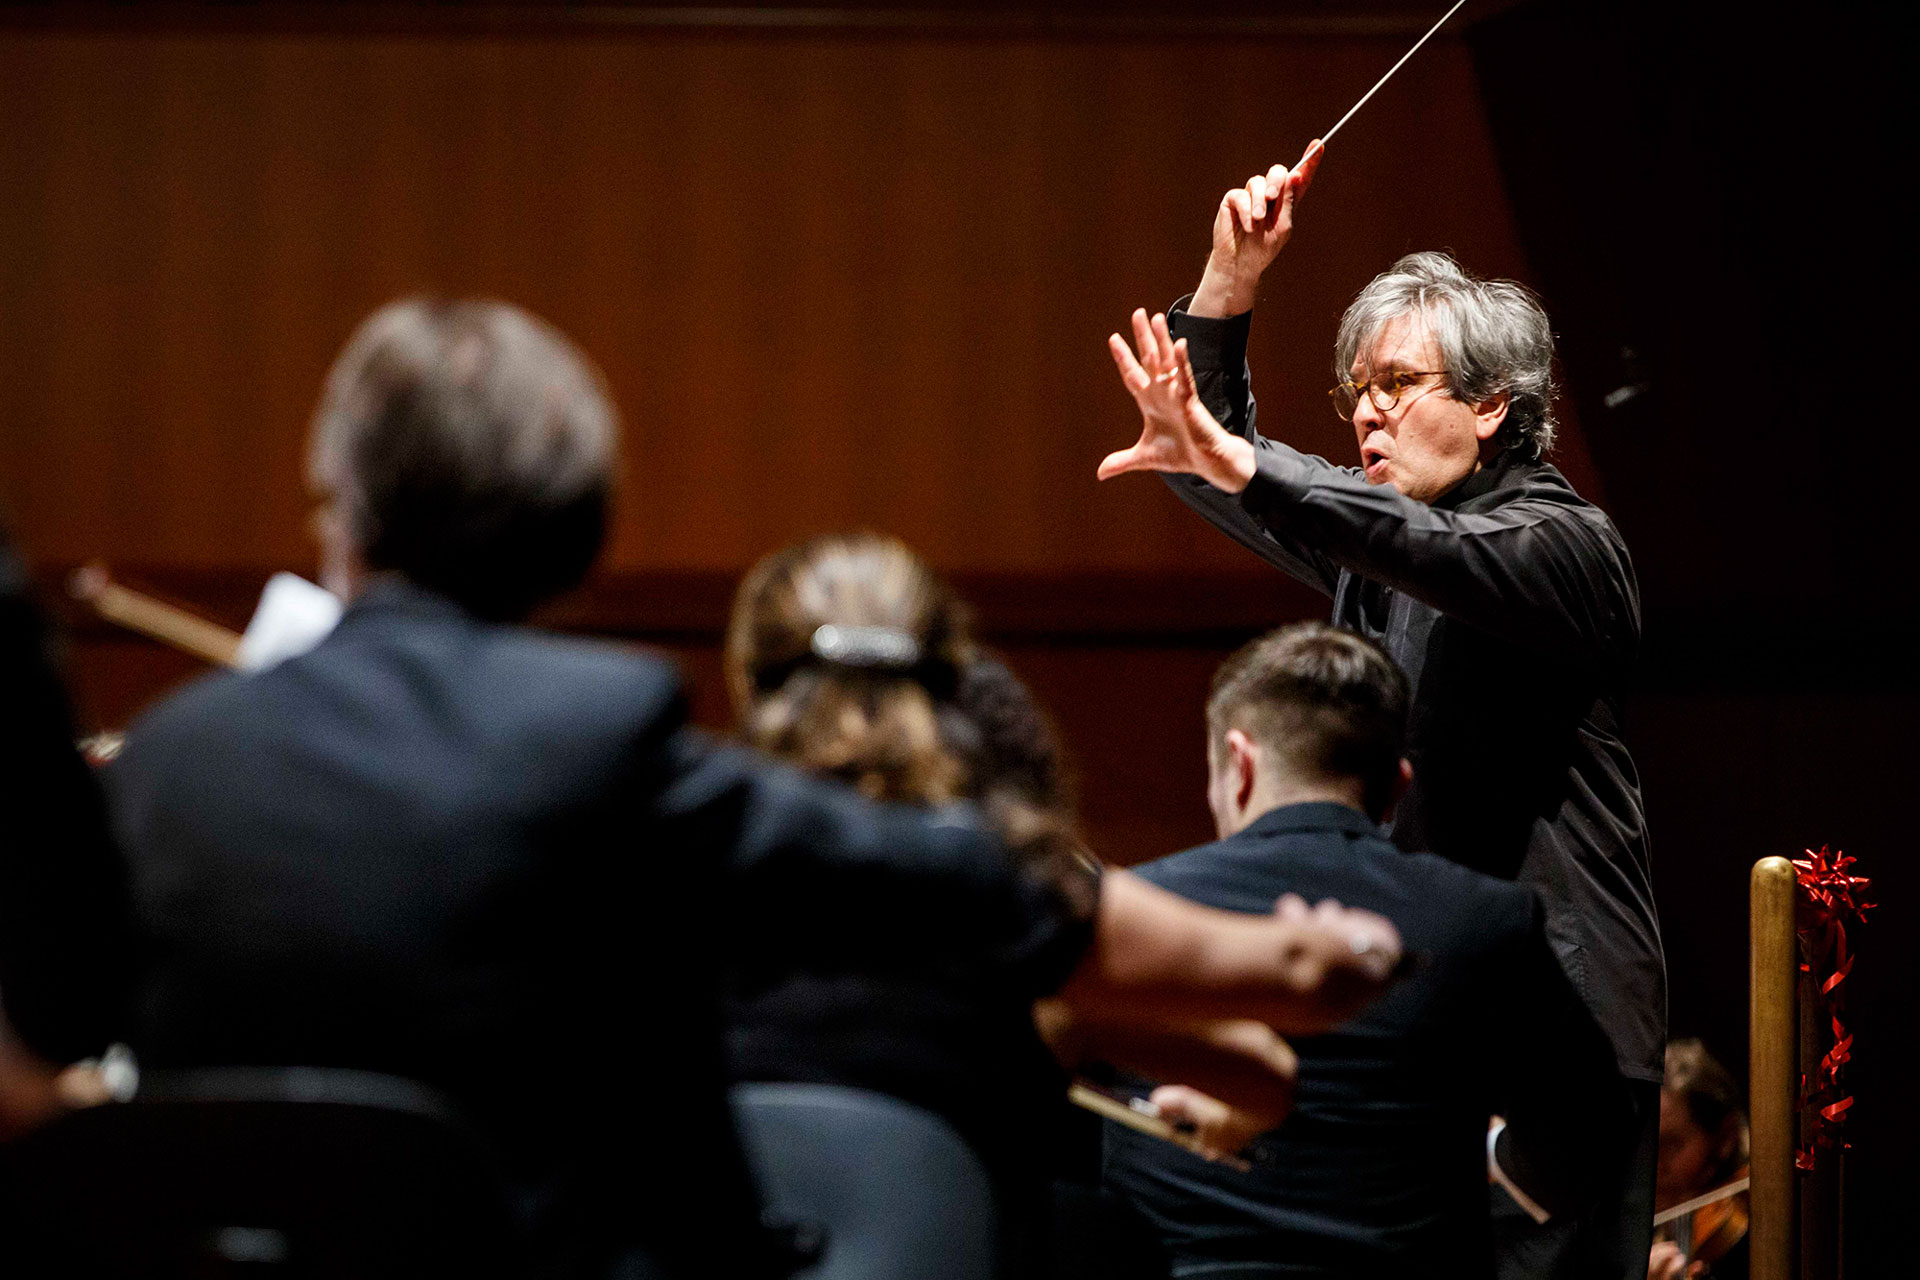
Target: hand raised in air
(1177, 432)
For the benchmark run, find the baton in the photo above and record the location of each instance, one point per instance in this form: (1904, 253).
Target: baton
(1395, 67)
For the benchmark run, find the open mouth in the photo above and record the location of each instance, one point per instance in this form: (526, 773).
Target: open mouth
(1374, 461)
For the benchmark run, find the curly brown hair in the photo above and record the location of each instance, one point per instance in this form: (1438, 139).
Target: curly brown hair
(864, 715)
(848, 656)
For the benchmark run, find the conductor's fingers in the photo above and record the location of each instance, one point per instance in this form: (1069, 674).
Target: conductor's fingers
(1241, 204)
(1283, 196)
(1163, 342)
(1188, 383)
(1144, 341)
(1257, 196)
(1136, 378)
(1308, 166)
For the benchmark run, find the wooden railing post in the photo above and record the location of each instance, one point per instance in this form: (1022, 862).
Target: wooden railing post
(1773, 1081)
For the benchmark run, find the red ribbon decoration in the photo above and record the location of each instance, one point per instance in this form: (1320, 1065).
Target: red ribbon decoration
(1831, 897)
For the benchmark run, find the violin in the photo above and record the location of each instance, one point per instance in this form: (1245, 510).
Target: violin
(1709, 1229)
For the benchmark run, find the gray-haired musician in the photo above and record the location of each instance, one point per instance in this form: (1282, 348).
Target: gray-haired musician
(1508, 599)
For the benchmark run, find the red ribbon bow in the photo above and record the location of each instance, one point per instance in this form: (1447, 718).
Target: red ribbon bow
(1831, 897)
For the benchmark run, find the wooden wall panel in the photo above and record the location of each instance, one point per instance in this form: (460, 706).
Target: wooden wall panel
(835, 278)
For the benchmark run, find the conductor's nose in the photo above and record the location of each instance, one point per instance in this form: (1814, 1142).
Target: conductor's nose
(1367, 415)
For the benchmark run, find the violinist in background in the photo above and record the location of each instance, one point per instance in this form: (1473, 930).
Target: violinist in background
(1703, 1146)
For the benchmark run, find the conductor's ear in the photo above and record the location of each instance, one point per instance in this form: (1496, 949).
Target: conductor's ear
(1489, 414)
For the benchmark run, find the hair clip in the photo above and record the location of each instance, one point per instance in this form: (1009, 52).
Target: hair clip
(876, 648)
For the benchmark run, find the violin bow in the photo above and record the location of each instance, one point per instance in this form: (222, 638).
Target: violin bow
(1715, 1196)
(155, 619)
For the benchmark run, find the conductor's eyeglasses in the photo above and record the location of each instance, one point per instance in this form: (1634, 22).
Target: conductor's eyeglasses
(1384, 389)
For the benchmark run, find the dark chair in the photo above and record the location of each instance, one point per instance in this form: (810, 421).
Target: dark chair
(272, 1172)
(889, 1190)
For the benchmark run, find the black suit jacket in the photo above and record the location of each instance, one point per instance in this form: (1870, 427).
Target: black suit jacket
(496, 861)
(1511, 604)
(1381, 1167)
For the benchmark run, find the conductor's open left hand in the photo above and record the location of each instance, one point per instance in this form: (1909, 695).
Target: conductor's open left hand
(1177, 432)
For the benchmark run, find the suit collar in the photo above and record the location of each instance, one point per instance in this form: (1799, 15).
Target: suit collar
(1319, 815)
(390, 595)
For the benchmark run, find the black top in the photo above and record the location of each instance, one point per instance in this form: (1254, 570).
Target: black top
(496, 861)
(62, 894)
(1512, 606)
(1381, 1166)
(966, 1051)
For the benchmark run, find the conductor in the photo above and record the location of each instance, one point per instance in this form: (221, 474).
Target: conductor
(1507, 598)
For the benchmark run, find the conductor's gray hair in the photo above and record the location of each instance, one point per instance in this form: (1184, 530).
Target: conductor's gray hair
(471, 448)
(1493, 337)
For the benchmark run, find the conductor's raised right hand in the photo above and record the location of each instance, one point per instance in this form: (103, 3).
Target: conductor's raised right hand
(1249, 228)
(1177, 433)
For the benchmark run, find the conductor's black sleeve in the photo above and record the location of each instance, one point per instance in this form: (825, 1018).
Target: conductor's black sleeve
(1218, 350)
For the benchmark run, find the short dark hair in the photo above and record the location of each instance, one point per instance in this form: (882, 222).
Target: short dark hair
(1324, 701)
(470, 447)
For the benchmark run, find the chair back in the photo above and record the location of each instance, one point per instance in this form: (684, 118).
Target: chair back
(272, 1172)
(891, 1190)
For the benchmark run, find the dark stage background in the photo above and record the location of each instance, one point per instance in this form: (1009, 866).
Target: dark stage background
(855, 267)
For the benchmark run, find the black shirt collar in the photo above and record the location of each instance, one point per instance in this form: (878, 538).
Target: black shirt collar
(1502, 471)
(1315, 815)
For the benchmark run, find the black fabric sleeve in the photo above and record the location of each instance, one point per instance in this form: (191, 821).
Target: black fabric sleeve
(821, 873)
(1218, 350)
(648, 939)
(1569, 1111)
(1537, 571)
(63, 894)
